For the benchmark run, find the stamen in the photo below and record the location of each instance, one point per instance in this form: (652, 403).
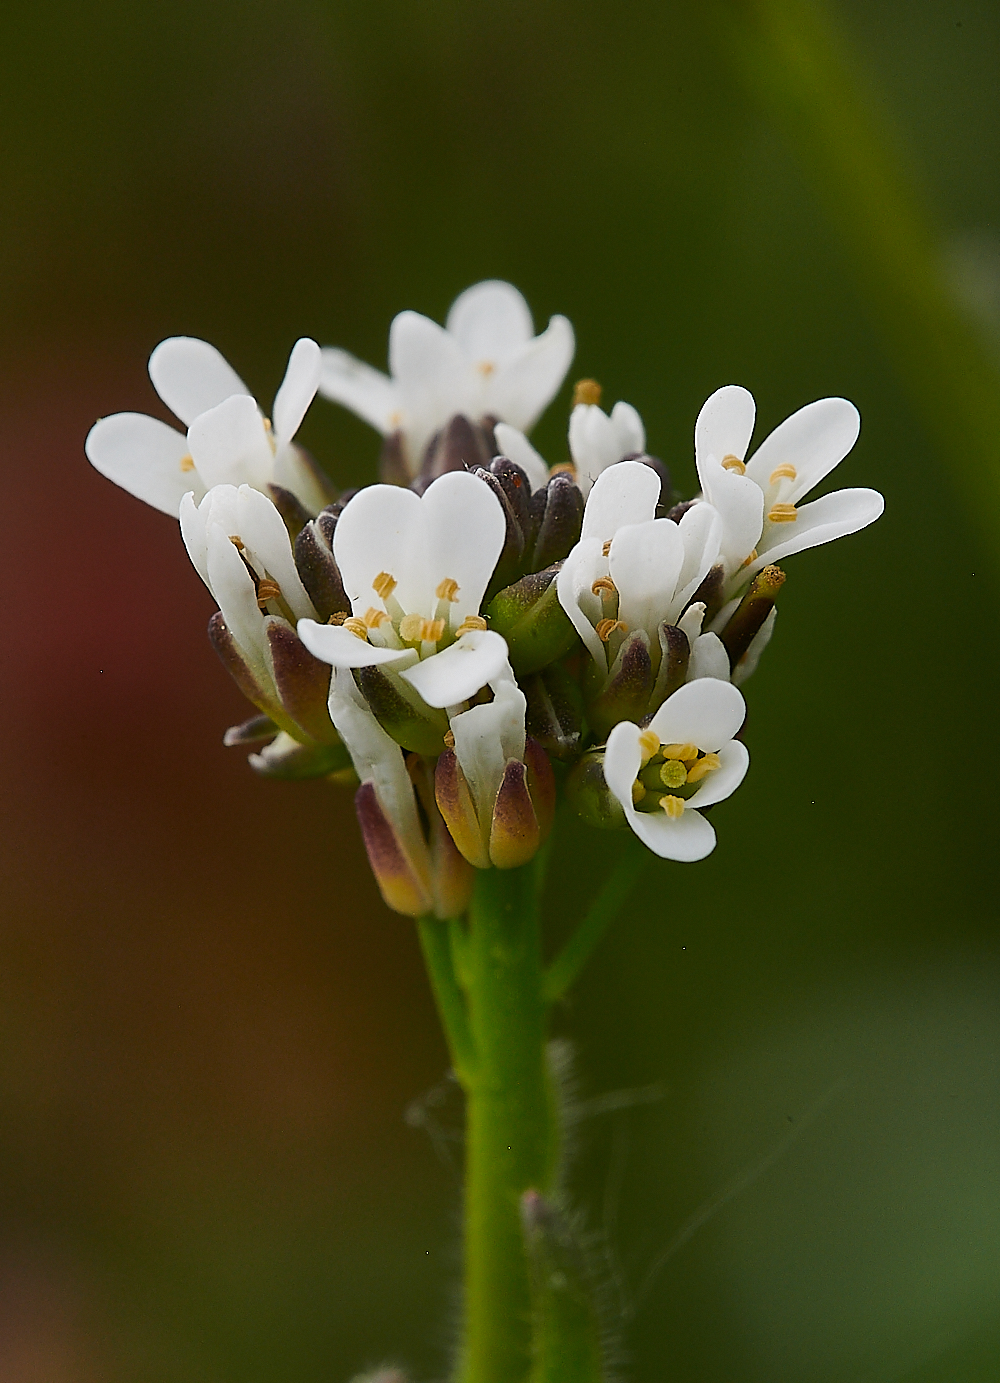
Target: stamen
(638, 792)
(673, 806)
(267, 590)
(649, 743)
(733, 463)
(447, 589)
(604, 583)
(687, 752)
(703, 768)
(606, 627)
(606, 549)
(357, 626)
(782, 513)
(267, 425)
(449, 738)
(187, 463)
(339, 617)
(384, 585)
(786, 471)
(747, 560)
(586, 391)
(236, 541)
(470, 623)
(416, 629)
(375, 618)
(673, 774)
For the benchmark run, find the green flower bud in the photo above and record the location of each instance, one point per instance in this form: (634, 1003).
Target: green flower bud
(590, 797)
(530, 618)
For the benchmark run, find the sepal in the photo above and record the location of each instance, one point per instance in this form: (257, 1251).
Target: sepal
(529, 616)
(317, 569)
(287, 758)
(401, 712)
(303, 682)
(252, 731)
(557, 520)
(235, 664)
(459, 446)
(590, 797)
(454, 800)
(401, 886)
(628, 690)
(515, 834)
(554, 715)
(294, 513)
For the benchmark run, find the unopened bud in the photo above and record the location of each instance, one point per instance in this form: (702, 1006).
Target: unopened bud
(290, 507)
(530, 618)
(626, 696)
(554, 715)
(459, 446)
(589, 795)
(749, 616)
(317, 569)
(303, 682)
(509, 563)
(516, 487)
(392, 467)
(401, 712)
(710, 592)
(675, 656)
(557, 513)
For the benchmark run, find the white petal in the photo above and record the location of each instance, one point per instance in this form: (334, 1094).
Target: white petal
(813, 440)
(365, 391)
(194, 531)
(191, 376)
(516, 447)
(625, 493)
(701, 533)
(298, 389)
(269, 548)
(708, 659)
(685, 838)
(644, 563)
(706, 713)
(447, 678)
(490, 321)
(464, 534)
(486, 737)
(722, 782)
(725, 425)
(740, 504)
(747, 665)
(593, 441)
(432, 376)
(629, 430)
(832, 516)
(234, 590)
(332, 643)
(583, 608)
(522, 389)
(144, 457)
(230, 444)
(622, 761)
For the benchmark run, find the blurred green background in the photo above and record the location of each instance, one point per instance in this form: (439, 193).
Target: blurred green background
(210, 1028)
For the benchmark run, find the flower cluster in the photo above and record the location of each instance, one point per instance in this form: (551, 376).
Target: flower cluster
(481, 629)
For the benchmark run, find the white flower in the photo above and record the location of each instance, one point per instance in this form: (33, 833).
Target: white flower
(487, 737)
(597, 440)
(485, 362)
(415, 568)
(229, 441)
(686, 759)
(759, 499)
(239, 545)
(630, 572)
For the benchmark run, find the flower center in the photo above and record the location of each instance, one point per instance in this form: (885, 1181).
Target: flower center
(394, 627)
(677, 767)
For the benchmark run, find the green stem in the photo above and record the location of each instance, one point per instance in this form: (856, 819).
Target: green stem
(512, 1133)
(437, 946)
(567, 965)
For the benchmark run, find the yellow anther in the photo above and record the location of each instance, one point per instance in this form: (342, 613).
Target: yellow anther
(786, 471)
(447, 589)
(449, 738)
(267, 425)
(470, 623)
(673, 806)
(733, 463)
(187, 463)
(236, 541)
(416, 629)
(649, 744)
(702, 768)
(384, 585)
(357, 627)
(638, 792)
(586, 391)
(267, 590)
(606, 549)
(339, 617)
(373, 618)
(782, 513)
(747, 560)
(606, 627)
(564, 467)
(486, 368)
(687, 752)
(604, 583)
(673, 774)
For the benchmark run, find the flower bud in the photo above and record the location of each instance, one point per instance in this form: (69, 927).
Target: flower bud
(554, 715)
(459, 446)
(303, 682)
(290, 507)
(710, 592)
(392, 467)
(317, 569)
(530, 618)
(675, 657)
(510, 561)
(521, 816)
(627, 693)
(749, 616)
(288, 759)
(590, 797)
(401, 712)
(557, 513)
